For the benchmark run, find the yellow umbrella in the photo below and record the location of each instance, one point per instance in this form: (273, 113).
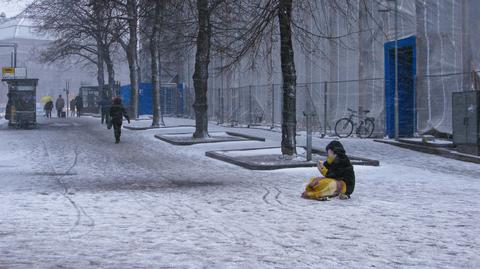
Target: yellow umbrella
(46, 99)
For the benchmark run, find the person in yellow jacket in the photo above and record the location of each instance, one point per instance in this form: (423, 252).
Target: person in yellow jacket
(338, 176)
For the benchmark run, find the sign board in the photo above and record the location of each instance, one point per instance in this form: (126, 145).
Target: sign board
(11, 72)
(20, 72)
(8, 72)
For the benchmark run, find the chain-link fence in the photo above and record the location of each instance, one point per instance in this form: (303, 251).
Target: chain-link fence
(260, 106)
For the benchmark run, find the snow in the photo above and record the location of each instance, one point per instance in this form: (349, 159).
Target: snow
(213, 135)
(146, 121)
(436, 141)
(145, 117)
(61, 124)
(268, 151)
(72, 198)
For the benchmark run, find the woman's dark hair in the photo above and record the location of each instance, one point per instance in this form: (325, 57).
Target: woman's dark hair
(336, 147)
(117, 101)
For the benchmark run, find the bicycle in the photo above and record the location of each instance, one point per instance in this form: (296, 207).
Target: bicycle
(344, 127)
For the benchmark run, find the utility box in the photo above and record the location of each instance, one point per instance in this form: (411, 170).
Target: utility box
(21, 106)
(466, 121)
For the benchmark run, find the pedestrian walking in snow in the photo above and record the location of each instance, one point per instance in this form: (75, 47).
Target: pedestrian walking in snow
(105, 105)
(48, 107)
(10, 106)
(72, 107)
(78, 104)
(117, 113)
(338, 176)
(59, 105)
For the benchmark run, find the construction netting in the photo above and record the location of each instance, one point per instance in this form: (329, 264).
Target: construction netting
(355, 67)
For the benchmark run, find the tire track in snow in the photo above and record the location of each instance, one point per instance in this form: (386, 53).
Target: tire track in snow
(79, 210)
(265, 195)
(278, 203)
(279, 192)
(92, 221)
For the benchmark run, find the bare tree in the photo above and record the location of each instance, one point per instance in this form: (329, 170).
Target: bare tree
(127, 18)
(190, 24)
(99, 31)
(200, 76)
(155, 58)
(153, 15)
(246, 38)
(254, 27)
(132, 56)
(289, 111)
(104, 12)
(80, 28)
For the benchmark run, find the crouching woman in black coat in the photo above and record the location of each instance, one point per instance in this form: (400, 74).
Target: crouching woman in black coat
(338, 176)
(117, 113)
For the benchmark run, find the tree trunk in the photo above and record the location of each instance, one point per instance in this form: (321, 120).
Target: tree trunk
(156, 87)
(98, 10)
(200, 76)
(111, 73)
(132, 55)
(289, 120)
(155, 68)
(100, 69)
(162, 122)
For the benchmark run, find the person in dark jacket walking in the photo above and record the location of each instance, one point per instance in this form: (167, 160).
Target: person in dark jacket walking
(11, 108)
(48, 109)
(105, 104)
(339, 177)
(72, 107)
(78, 104)
(117, 113)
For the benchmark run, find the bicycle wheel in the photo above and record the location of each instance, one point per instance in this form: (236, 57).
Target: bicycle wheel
(344, 127)
(366, 129)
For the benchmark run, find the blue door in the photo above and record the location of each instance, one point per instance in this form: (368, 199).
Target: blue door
(406, 87)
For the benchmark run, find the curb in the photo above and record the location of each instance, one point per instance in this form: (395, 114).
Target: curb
(219, 155)
(239, 138)
(443, 152)
(150, 128)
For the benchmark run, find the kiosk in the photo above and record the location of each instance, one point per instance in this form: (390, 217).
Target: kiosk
(21, 105)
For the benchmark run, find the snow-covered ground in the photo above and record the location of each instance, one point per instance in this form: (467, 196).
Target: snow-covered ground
(434, 142)
(188, 135)
(71, 198)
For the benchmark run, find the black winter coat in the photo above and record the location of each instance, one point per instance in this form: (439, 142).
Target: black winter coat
(342, 169)
(117, 112)
(79, 103)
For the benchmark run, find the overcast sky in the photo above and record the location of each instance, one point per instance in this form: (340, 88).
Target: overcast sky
(12, 7)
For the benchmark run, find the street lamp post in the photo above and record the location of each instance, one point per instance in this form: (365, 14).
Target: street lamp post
(67, 92)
